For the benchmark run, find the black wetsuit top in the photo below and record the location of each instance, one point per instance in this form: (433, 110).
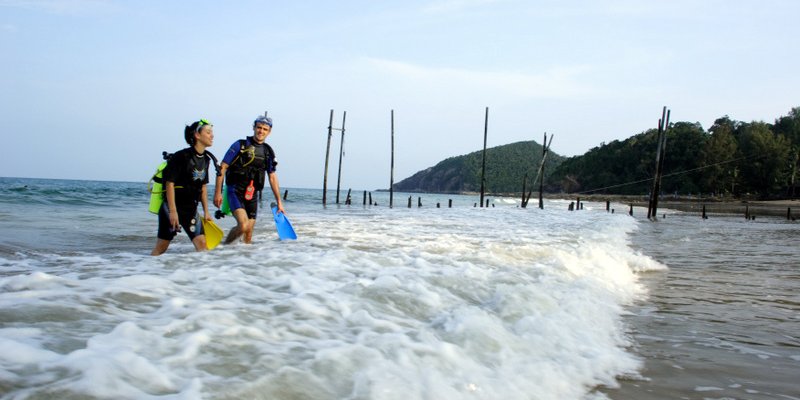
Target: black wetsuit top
(189, 172)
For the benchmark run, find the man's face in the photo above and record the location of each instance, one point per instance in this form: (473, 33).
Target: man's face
(260, 132)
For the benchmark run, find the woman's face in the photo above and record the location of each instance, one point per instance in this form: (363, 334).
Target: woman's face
(206, 135)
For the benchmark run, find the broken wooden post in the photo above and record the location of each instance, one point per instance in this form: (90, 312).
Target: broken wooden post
(449, 203)
(419, 201)
(327, 156)
(409, 201)
(341, 153)
(524, 203)
(704, 212)
(630, 212)
(483, 163)
(545, 149)
(663, 125)
(391, 170)
(285, 193)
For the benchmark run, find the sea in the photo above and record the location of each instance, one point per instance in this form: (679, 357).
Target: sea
(446, 300)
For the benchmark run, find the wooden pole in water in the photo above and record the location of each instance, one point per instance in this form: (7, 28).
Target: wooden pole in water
(327, 156)
(391, 171)
(409, 201)
(630, 212)
(341, 153)
(285, 193)
(483, 163)
(365, 197)
(704, 212)
(449, 203)
(524, 203)
(545, 149)
(663, 125)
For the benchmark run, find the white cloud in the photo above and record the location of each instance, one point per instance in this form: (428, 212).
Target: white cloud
(562, 82)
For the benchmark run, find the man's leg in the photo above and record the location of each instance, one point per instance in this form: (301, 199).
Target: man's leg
(241, 224)
(248, 234)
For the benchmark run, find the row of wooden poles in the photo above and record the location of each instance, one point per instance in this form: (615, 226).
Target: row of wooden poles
(652, 207)
(525, 199)
(748, 215)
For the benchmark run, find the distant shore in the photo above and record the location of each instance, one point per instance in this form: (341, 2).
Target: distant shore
(712, 205)
(686, 204)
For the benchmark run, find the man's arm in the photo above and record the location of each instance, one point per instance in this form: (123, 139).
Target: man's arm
(218, 185)
(276, 190)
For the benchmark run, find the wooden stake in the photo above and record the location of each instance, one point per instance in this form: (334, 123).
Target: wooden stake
(391, 171)
(483, 163)
(327, 156)
(341, 153)
(545, 149)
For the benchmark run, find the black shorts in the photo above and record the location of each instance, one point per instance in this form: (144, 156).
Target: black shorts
(236, 201)
(187, 217)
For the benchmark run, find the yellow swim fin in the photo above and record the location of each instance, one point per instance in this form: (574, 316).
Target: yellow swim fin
(213, 233)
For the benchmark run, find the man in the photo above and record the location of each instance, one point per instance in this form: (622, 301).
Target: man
(245, 166)
(186, 177)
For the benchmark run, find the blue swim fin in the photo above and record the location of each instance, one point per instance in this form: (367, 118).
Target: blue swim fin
(282, 224)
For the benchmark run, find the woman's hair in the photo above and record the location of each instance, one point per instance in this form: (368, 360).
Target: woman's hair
(188, 133)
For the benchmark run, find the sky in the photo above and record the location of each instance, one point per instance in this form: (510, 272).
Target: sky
(97, 89)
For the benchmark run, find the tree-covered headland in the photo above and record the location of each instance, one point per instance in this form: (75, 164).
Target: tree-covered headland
(731, 159)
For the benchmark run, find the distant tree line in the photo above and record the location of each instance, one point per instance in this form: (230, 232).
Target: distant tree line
(506, 168)
(733, 158)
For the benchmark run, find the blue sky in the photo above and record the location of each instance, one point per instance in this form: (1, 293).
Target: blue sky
(96, 89)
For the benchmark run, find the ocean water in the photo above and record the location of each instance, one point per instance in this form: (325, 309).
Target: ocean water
(375, 302)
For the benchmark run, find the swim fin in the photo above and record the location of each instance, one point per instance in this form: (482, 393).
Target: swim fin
(213, 234)
(282, 224)
(225, 208)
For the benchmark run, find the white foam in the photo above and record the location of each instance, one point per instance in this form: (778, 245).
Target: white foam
(381, 304)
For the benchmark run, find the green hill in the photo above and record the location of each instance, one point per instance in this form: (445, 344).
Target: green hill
(506, 167)
(732, 158)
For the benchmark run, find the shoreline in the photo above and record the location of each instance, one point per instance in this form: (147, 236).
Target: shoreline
(778, 208)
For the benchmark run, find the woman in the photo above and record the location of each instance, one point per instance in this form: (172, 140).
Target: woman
(185, 178)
